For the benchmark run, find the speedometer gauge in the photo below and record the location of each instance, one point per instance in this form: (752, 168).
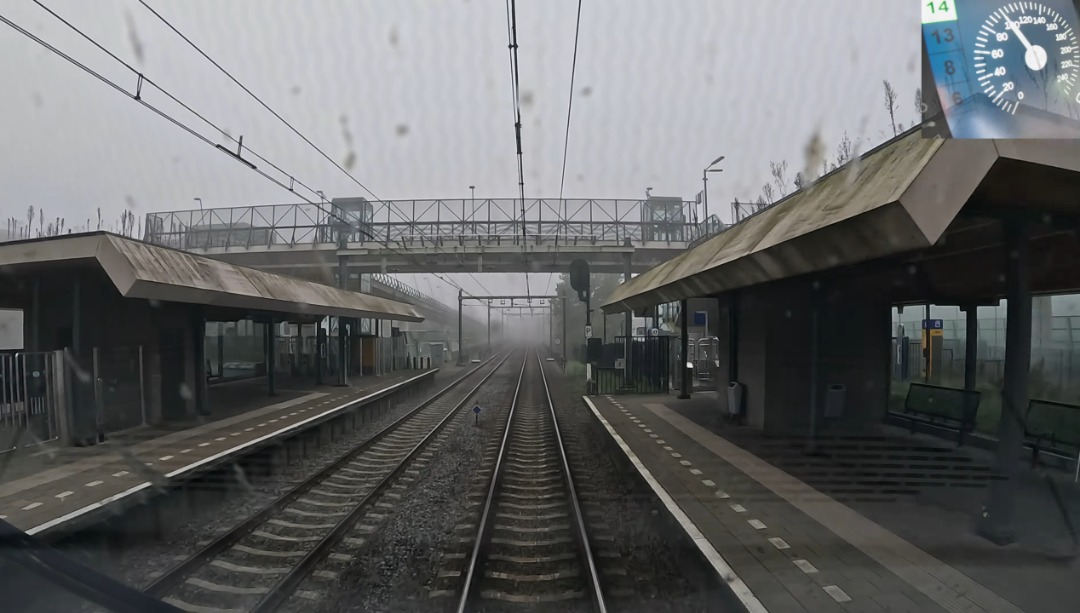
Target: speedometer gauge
(1001, 69)
(1026, 53)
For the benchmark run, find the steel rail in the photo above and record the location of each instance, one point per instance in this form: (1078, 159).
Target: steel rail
(174, 576)
(483, 533)
(285, 587)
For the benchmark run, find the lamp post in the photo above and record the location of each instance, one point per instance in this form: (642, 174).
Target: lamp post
(199, 200)
(705, 187)
(472, 196)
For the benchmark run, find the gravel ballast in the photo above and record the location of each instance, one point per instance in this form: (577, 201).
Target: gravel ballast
(235, 495)
(645, 562)
(397, 566)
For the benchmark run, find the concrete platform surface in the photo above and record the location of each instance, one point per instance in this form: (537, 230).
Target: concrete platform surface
(103, 478)
(865, 526)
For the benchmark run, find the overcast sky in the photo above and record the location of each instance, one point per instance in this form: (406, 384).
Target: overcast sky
(422, 90)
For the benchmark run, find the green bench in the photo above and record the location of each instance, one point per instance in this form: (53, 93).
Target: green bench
(1053, 427)
(943, 407)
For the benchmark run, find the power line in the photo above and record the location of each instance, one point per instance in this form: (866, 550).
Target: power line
(566, 138)
(260, 101)
(515, 84)
(569, 109)
(138, 98)
(284, 121)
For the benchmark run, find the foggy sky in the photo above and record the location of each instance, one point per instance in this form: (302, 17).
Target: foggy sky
(422, 89)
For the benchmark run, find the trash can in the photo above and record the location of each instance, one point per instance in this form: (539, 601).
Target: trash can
(834, 401)
(735, 398)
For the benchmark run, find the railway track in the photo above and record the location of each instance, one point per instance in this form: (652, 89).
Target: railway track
(532, 548)
(257, 565)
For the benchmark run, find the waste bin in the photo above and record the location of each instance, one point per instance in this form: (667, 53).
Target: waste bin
(735, 398)
(834, 401)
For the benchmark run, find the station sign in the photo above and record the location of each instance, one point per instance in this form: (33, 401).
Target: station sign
(936, 327)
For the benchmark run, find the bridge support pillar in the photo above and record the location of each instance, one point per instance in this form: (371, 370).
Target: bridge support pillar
(460, 333)
(628, 339)
(343, 278)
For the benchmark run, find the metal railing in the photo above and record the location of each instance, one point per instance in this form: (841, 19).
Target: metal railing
(29, 402)
(423, 221)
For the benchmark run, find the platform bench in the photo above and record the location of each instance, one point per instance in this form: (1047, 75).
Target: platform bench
(1053, 427)
(942, 407)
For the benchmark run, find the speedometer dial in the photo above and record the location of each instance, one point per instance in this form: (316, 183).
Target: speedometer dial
(1026, 53)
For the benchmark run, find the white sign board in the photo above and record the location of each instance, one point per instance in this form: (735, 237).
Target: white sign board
(588, 331)
(620, 363)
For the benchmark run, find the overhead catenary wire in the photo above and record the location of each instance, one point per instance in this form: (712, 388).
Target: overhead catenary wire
(278, 116)
(137, 97)
(515, 85)
(566, 137)
(263, 103)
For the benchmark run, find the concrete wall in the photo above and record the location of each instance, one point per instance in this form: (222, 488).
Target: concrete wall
(11, 329)
(117, 327)
(774, 341)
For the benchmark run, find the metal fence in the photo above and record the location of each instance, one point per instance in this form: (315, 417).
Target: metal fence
(642, 366)
(29, 402)
(405, 221)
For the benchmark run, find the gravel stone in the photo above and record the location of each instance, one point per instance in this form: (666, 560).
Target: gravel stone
(645, 564)
(396, 567)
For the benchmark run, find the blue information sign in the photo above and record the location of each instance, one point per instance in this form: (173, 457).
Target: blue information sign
(476, 409)
(933, 324)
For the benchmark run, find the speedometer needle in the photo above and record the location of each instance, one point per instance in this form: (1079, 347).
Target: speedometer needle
(1035, 56)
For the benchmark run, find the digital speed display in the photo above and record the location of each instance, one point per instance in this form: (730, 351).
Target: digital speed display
(1005, 69)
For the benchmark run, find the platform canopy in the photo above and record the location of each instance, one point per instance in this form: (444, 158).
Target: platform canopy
(900, 197)
(142, 270)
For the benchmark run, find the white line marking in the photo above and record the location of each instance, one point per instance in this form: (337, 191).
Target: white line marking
(676, 454)
(648, 430)
(695, 472)
(133, 490)
(652, 436)
(220, 438)
(805, 566)
(94, 483)
(757, 524)
(165, 458)
(63, 495)
(708, 483)
(120, 474)
(31, 506)
(779, 543)
(722, 568)
(204, 444)
(248, 429)
(261, 425)
(722, 494)
(661, 442)
(685, 462)
(188, 450)
(837, 594)
(738, 508)
(667, 448)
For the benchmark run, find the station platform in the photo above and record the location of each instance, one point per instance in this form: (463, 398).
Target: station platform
(875, 521)
(49, 490)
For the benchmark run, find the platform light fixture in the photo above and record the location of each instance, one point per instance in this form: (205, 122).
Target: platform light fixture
(705, 184)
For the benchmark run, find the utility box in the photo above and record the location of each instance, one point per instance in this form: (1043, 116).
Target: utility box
(735, 398)
(834, 401)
